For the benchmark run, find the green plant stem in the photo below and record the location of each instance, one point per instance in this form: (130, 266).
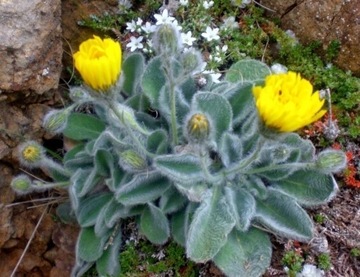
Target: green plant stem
(169, 75)
(130, 131)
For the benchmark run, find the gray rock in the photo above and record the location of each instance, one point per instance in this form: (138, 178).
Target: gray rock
(30, 45)
(325, 21)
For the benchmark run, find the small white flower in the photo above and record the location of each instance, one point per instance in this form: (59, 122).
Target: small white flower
(184, 3)
(211, 34)
(224, 48)
(208, 4)
(202, 81)
(277, 68)
(139, 22)
(163, 18)
(310, 270)
(131, 26)
(229, 23)
(135, 43)
(148, 28)
(214, 76)
(187, 38)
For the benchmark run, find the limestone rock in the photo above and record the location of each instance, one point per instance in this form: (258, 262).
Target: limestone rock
(326, 21)
(30, 45)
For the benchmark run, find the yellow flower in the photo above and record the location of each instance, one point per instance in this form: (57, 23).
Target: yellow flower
(31, 154)
(99, 62)
(287, 102)
(198, 127)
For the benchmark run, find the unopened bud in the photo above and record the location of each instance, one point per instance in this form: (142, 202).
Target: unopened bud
(331, 161)
(198, 127)
(132, 161)
(21, 184)
(55, 121)
(31, 154)
(166, 40)
(192, 61)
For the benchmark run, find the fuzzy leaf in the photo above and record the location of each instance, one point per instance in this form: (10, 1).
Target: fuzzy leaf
(104, 162)
(84, 180)
(245, 254)
(91, 207)
(80, 160)
(158, 142)
(283, 216)
(83, 126)
(211, 224)
(243, 206)
(108, 264)
(155, 225)
(241, 100)
(180, 223)
(153, 80)
(90, 247)
(230, 149)
(247, 71)
(132, 68)
(218, 108)
(182, 168)
(142, 188)
(172, 201)
(308, 187)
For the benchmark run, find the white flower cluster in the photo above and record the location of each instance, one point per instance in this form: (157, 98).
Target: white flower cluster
(141, 32)
(310, 270)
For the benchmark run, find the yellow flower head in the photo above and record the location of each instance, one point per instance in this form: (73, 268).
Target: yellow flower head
(287, 102)
(99, 62)
(31, 154)
(198, 127)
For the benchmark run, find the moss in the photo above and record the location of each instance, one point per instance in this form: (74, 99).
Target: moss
(324, 261)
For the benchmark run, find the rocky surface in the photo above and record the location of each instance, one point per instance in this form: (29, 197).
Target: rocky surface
(30, 45)
(323, 20)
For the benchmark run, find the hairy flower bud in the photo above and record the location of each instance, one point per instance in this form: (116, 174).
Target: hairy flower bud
(191, 61)
(198, 127)
(55, 121)
(21, 184)
(31, 154)
(132, 161)
(331, 161)
(166, 40)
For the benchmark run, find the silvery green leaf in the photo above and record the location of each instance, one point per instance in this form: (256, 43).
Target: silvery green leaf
(153, 80)
(90, 208)
(172, 201)
(245, 254)
(210, 226)
(230, 149)
(247, 70)
(180, 223)
(83, 126)
(89, 247)
(142, 188)
(184, 168)
(283, 216)
(108, 264)
(308, 187)
(242, 205)
(132, 68)
(154, 224)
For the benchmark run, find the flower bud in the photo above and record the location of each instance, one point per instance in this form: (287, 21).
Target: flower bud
(192, 61)
(132, 161)
(55, 121)
(21, 184)
(198, 127)
(166, 40)
(31, 154)
(331, 161)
